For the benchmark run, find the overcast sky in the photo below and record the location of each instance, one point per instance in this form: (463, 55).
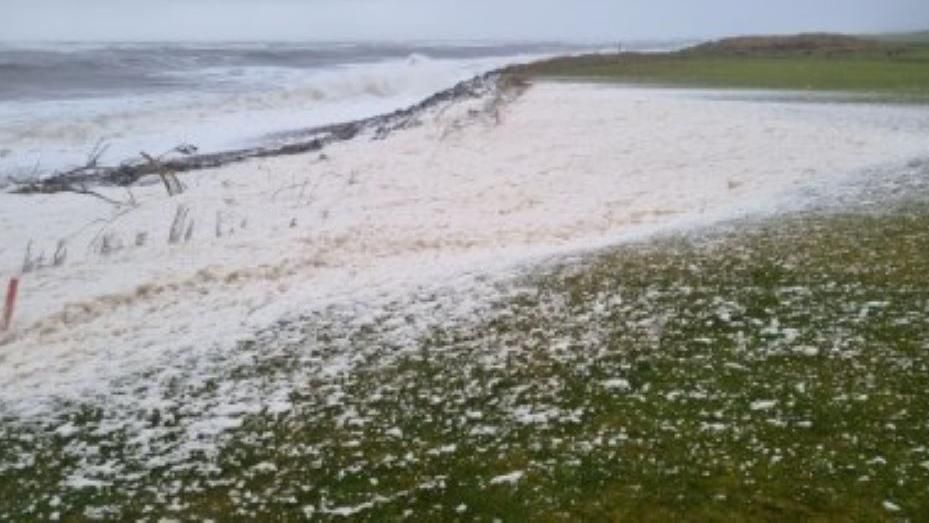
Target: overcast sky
(585, 20)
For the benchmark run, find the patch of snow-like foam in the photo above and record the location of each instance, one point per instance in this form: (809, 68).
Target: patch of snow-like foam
(508, 479)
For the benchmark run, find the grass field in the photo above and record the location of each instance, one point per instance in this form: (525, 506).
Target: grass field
(897, 69)
(765, 371)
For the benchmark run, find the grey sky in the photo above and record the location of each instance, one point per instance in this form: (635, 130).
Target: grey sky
(584, 20)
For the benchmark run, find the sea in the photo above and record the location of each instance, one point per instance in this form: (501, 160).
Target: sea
(60, 102)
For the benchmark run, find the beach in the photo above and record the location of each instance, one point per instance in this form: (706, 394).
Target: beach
(59, 100)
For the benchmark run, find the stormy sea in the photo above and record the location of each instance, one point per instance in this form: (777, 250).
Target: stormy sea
(61, 101)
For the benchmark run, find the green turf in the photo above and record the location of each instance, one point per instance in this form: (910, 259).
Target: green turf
(898, 73)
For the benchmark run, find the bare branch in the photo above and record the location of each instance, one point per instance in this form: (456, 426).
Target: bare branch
(88, 192)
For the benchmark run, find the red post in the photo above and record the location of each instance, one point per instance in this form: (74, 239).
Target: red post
(10, 304)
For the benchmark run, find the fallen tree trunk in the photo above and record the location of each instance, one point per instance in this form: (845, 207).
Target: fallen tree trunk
(296, 142)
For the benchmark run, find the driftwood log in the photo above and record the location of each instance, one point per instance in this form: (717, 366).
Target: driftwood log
(293, 142)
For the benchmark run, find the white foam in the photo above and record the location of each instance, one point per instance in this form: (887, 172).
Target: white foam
(566, 167)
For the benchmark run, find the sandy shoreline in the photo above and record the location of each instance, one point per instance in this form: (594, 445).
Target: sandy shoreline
(564, 167)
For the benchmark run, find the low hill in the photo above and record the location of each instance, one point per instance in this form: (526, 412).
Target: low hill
(813, 43)
(805, 62)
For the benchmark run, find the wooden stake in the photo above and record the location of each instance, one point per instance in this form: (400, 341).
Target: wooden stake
(10, 304)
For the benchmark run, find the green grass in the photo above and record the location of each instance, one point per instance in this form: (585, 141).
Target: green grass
(902, 73)
(825, 317)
